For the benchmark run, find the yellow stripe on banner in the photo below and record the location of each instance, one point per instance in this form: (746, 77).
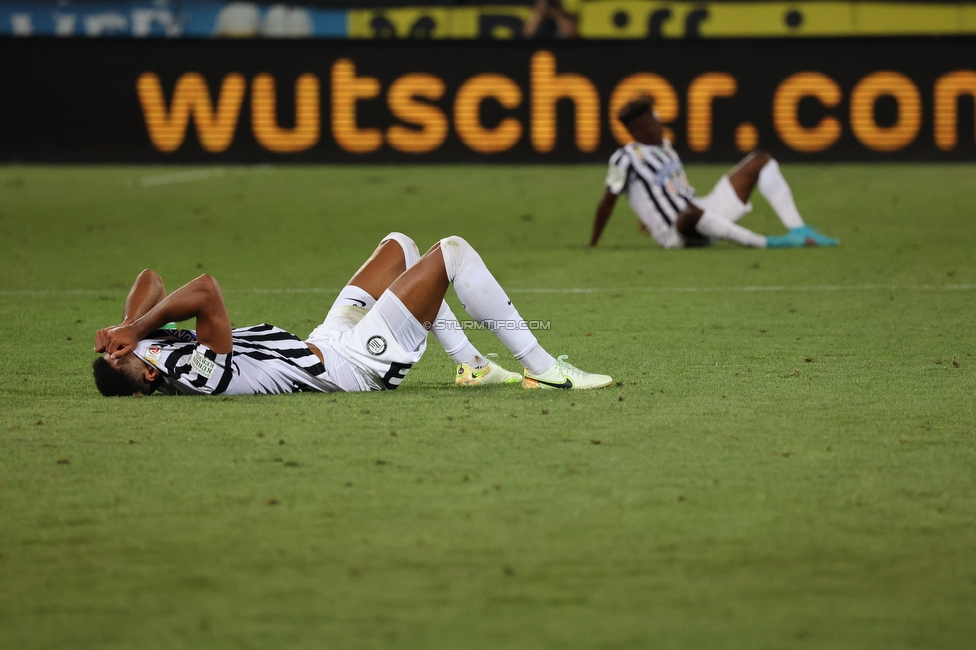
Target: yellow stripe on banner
(778, 19)
(634, 18)
(967, 19)
(651, 18)
(876, 19)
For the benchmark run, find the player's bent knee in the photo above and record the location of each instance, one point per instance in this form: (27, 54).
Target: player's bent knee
(411, 253)
(761, 157)
(404, 240)
(455, 242)
(457, 253)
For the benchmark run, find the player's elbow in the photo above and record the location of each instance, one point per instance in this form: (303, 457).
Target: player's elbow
(150, 276)
(208, 284)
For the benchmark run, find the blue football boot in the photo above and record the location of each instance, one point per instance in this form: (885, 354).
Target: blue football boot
(811, 237)
(789, 240)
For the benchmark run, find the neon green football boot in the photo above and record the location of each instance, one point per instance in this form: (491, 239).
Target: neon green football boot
(565, 375)
(491, 373)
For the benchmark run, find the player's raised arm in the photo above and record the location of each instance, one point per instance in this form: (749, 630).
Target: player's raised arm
(603, 212)
(146, 292)
(200, 299)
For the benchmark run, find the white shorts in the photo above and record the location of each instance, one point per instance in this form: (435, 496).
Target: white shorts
(722, 200)
(370, 350)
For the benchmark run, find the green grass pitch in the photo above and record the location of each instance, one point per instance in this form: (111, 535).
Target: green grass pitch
(786, 458)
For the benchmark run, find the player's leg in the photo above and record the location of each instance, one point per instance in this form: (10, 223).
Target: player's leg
(744, 176)
(694, 223)
(422, 288)
(395, 253)
(473, 369)
(367, 284)
(729, 201)
(761, 169)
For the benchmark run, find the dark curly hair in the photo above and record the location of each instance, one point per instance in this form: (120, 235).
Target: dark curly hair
(112, 382)
(634, 109)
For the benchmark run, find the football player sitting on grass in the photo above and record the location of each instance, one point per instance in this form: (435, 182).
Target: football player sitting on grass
(650, 172)
(375, 331)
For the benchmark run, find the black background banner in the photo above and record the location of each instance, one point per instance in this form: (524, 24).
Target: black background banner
(437, 101)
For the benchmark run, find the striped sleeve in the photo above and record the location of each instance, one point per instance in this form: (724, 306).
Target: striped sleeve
(618, 172)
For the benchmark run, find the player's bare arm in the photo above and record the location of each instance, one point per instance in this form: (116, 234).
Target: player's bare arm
(200, 299)
(146, 292)
(603, 212)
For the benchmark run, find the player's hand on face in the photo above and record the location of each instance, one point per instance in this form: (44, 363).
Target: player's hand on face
(118, 341)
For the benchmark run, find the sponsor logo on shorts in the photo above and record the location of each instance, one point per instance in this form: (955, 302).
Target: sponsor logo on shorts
(376, 345)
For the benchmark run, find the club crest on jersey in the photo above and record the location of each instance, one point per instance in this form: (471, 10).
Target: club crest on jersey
(376, 345)
(153, 354)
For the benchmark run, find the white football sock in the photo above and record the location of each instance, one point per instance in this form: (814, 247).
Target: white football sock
(446, 329)
(353, 296)
(485, 300)
(342, 315)
(712, 225)
(777, 191)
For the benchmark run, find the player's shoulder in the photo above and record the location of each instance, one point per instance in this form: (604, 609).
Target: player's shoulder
(643, 150)
(621, 154)
(158, 346)
(669, 148)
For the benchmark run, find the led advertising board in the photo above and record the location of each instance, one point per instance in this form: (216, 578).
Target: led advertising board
(444, 101)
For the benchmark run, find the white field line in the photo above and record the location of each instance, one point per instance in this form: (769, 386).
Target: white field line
(182, 177)
(550, 290)
(838, 287)
(191, 175)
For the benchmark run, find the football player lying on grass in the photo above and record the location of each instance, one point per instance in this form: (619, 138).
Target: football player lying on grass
(650, 172)
(375, 331)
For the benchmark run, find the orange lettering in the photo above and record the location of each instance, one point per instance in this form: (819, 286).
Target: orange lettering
(347, 89)
(948, 88)
(467, 104)
(432, 121)
(866, 93)
(701, 92)
(167, 128)
(785, 103)
(547, 89)
(264, 120)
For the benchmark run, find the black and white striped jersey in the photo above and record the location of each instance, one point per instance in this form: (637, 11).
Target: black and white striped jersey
(264, 359)
(655, 182)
